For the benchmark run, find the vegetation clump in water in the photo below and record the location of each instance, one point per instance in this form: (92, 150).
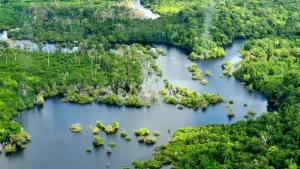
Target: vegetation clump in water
(227, 68)
(112, 144)
(95, 130)
(127, 138)
(156, 133)
(123, 133)
(150, 140)
(98, 141)
(190, 99)
(204, 82)
(9, 148)
(208, 73)
(76, 128)
(142, 132)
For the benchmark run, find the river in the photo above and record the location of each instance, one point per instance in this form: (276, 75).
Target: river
(53, 146)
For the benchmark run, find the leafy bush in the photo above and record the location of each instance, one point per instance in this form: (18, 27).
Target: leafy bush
(123, 133)
(95, 130)
(112, 144)
(150, 140)
(98, 141)
(10, 148)
(142, 132)
(75, 127)
(100, 125)
(156, 133)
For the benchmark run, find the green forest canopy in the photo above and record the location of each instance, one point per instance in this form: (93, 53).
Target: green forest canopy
(270, 64)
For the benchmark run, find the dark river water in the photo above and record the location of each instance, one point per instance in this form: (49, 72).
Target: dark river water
(53, 146)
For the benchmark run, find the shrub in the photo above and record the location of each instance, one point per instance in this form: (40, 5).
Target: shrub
(245, 104)
(231, 101)
(98, 141)
(180, 107)
(100, 125)
(112, 144)
(123, 133)
(156, 133)
(108, 150)
(230, 113)
(251, 112)
(204, 82)
(127, 138)
(115, 125)
(208, 73)
(141, 132)
(110, 99)
(163, 92)
(109, 129)
(95, 130)
(134, 101)
(150, 140)
(88, 150)
(141, 139)
(75, 127)
(192, 67)
(9, 148)
(171, 100)
(247, 116)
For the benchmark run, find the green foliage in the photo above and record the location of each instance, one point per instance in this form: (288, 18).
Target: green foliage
(171, 100)
(180, 107)
(112, 144)
(100, 125)
(123, 133)
(76, 128)
(204, 82)
(98, 141)
(150, 140)
(96, 130)
(231, 101)
(227, 68)
(141, 139)
(110, 99)
(115, 124)
(127, 138)
(251, 112)
(208, 73)
(142, 132)
(134, 101)
(108, 150)
(109, 129)
(10, 148)
(163, 92)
